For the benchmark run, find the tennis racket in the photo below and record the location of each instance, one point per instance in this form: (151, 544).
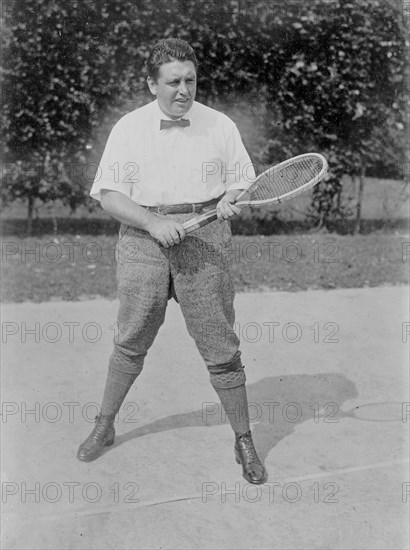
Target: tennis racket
(277, 184)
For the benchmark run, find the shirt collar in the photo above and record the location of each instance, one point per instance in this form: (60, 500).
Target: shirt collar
(160, 115)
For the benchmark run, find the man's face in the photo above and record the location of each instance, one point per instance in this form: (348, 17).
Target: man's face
(175, 88)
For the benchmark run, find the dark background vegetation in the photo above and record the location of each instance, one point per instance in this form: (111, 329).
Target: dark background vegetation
(326, 75)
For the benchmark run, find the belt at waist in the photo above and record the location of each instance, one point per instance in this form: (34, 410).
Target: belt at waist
(184, 208)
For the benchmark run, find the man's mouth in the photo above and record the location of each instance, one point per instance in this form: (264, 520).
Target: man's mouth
(182, 100)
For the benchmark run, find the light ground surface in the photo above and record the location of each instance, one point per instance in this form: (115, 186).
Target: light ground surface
(337, 473)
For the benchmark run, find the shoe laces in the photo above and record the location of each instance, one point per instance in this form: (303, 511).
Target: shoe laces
(102, 423)
(246, 446)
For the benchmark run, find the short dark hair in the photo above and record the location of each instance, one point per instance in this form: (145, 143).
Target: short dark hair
(166, 51)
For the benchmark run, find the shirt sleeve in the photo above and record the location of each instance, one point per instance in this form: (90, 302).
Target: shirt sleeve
(117, 170)
(239, 170)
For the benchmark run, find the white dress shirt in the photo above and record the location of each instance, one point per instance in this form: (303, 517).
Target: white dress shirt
(176, 165)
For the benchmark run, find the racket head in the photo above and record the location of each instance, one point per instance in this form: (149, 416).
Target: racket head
(285, 180)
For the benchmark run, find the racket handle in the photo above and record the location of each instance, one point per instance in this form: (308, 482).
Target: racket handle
(200, 221)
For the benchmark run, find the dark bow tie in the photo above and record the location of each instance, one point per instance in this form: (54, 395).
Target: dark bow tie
(170, 123)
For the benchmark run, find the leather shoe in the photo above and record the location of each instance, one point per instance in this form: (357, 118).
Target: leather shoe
(102, 436)
(252, 469)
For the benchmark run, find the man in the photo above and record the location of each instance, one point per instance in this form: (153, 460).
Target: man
(163, 164)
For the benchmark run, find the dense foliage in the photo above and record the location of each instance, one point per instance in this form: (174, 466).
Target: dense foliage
(326, 74)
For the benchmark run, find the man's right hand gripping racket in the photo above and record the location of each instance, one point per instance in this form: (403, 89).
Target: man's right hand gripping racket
(277, 184)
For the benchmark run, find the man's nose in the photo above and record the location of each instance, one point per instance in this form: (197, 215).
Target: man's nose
(182, 89)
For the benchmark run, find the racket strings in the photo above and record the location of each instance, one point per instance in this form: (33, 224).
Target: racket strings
(276, 183)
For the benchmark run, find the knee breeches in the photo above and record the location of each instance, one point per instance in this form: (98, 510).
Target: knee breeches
(194, 272)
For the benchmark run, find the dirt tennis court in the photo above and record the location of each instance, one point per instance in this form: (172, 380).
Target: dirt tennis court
(328, 398)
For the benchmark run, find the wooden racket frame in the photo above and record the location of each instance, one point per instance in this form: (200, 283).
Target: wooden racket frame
(209, 217)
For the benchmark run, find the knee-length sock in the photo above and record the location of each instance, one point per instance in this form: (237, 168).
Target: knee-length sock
(117, 385)
(235, 404)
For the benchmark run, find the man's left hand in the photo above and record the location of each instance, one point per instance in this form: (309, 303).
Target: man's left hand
(226, 207)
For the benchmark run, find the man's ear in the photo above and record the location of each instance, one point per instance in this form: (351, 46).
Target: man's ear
(152, 85)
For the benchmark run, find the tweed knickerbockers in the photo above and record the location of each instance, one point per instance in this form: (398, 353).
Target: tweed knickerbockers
(194, 272)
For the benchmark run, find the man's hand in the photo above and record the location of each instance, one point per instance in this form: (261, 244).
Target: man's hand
(168, 232)
(226, 207)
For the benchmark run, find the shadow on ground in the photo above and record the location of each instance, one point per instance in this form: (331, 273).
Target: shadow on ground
(276, 406)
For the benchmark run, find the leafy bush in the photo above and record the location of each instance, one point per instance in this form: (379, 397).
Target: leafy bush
(326, 74)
